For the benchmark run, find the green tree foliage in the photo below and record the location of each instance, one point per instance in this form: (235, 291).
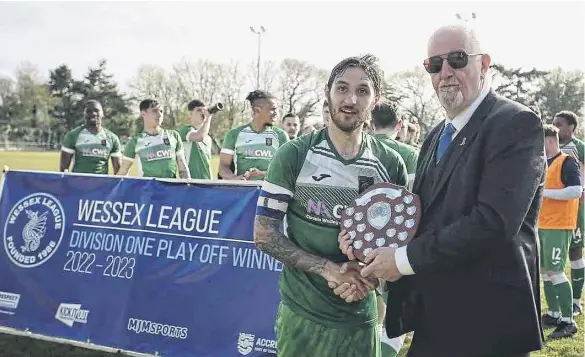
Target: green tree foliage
(41, 110)
(560, 90)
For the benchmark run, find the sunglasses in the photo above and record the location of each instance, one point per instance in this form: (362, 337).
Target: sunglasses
(456, 60)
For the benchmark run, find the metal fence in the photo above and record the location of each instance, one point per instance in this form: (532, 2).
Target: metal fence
(28, 146)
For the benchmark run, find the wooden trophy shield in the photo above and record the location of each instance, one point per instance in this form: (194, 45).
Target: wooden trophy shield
(385, 215)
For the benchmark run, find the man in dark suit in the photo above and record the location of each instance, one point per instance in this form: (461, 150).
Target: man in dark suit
(468, 283)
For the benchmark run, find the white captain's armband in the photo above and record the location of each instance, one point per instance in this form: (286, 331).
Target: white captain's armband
(273, 201)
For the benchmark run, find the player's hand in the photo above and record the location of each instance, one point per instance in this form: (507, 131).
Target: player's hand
(245, 176)
(358, 266)
(346, 291)
(255, 173)
(342, 290)
(206, 115)
(345, 244)
(348, 284)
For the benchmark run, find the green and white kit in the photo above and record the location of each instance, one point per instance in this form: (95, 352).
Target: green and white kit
(251, 148)
(91, 151)
(156, 153)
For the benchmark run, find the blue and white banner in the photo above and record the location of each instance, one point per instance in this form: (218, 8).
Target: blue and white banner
(140, 265)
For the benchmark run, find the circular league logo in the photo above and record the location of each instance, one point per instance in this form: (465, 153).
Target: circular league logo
(33, 230)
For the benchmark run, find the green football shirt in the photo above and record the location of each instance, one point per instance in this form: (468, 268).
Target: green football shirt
(251, 148)
(198, 154)
(408, 153)
(576, 149)
(310, 183)
(91, 151)
(156, 153)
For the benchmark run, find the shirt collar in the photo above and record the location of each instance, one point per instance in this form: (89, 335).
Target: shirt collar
(463, 118)
(99, 131)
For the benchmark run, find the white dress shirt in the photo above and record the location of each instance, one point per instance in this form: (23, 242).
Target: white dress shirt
(459, 122)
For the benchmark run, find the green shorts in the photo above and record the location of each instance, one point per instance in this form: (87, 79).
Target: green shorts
(299, 337)
(554, 248)
(577, 241)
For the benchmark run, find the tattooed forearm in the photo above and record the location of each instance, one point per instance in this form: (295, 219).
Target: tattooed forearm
(271, 241)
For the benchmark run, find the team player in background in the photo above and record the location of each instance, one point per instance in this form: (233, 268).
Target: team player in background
(567, 123)
(91, 145)
(197, 141)
(159, 151)
(413, 135)
(387, 121)
(325, 311)
(292, 125)
(402, 134)
(250, 147)
(556, 226)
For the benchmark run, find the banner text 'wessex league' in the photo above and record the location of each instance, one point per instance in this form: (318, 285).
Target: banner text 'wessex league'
(130, 229)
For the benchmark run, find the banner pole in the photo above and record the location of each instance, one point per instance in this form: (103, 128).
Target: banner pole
(2, 179)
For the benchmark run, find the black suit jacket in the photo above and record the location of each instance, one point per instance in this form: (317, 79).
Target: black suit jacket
(476, 292)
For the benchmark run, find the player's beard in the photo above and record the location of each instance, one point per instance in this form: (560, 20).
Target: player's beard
(350, 125)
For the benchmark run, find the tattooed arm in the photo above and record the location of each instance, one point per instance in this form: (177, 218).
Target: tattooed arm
(273, 202)
(271, 241)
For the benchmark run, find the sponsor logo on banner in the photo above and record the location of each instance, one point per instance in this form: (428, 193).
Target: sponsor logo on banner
(248, 342)
(120, 233)
(71, 313)
(33, 230)
(8, 302)
(245, 343)
(155, 328)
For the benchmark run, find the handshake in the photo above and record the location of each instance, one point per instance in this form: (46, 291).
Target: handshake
(353, 280)
(383, 217)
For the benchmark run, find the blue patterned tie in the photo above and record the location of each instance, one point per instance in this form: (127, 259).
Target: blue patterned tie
(445, 140)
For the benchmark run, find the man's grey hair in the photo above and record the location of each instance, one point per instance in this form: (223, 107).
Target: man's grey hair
(471, 33)
(477, 46)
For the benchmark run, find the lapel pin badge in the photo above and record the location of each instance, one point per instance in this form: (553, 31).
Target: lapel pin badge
(462, 142)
